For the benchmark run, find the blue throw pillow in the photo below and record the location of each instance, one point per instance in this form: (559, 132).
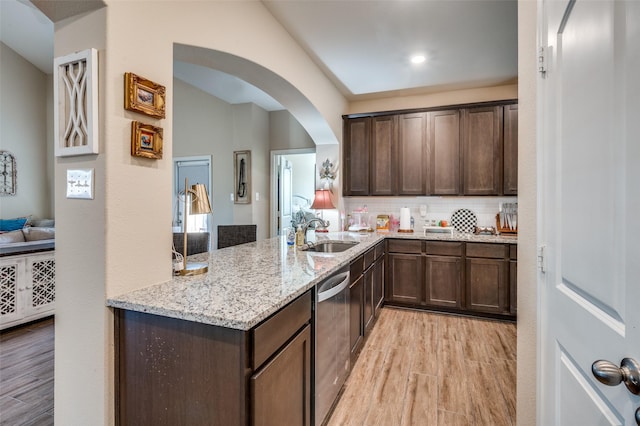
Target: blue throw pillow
(12, 224)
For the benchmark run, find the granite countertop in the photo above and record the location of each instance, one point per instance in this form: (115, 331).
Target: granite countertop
(247, 283)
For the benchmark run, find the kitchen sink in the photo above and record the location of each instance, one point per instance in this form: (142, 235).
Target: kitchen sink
(329, 246)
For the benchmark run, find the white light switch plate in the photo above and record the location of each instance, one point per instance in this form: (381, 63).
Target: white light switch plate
(80, 184)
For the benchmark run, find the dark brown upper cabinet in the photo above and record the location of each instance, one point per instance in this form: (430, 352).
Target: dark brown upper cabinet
(444, 152)
(383, 155)
(357, 135)
(463, 150)
(482, 151)
(510, 149)
(412, 154)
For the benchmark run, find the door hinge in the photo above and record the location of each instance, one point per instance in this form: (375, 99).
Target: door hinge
(542, 263)
(542, 63)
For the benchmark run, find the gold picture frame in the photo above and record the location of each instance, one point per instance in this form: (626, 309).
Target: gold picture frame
(242, 177)
(146, 140)
(145, 96)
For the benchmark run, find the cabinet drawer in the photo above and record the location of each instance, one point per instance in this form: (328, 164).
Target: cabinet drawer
(276, 330)
(513, 251)
(356, 268)
(487, 250)
(444, 248)
(379, 249)
(369, 257)
(405, 246)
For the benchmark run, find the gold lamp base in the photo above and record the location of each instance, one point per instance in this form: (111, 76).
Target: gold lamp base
(194, 269)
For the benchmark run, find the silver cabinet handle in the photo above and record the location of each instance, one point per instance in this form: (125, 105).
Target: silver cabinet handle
(611, 375)
(638, 416)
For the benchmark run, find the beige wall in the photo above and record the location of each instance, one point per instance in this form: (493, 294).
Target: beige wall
(251, 132)
(527, 213)
(101, 240)
(206, 125)
(84, 328)
(286, 133)
(451, 97)
(202, 125)
(25, 103)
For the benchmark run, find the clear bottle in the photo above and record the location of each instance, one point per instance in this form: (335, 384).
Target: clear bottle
(299, 236)
(291, 236)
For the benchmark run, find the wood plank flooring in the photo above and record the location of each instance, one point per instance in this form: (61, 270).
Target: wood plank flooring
(26, 375)
(419, 368)
(416, 368)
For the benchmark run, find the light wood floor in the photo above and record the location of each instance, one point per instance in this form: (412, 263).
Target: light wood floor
(420, 368)
(26, 375)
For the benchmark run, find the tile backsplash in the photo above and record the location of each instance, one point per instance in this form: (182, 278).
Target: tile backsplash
(438, 208)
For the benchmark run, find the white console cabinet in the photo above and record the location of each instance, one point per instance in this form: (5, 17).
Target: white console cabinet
(27, 287)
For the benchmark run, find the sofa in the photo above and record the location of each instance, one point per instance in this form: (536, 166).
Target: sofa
(27, 271)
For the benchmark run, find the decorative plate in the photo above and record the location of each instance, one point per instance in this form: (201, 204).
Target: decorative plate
(464, 220)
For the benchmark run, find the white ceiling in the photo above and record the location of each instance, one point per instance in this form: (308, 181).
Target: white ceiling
(363, 46)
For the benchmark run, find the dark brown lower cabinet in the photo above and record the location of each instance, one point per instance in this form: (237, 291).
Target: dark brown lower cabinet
(378, 285)
(177, 372)
(486, 285)
(368, 305)
(281, 390)
(356, 333)
(443, 276)
(404, 278)
(452, 276)
(513, 287)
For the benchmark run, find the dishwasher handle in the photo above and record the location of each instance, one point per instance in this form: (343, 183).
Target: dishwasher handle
(333, 286)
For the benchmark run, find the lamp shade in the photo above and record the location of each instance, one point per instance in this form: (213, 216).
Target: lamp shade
(199, 199)
(322, 200)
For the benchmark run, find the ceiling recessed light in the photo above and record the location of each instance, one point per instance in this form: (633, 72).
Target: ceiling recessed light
(418, 59)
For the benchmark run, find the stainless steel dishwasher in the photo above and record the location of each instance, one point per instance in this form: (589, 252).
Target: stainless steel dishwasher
(331, 341)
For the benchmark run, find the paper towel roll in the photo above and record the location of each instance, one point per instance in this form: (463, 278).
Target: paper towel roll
(405, 219)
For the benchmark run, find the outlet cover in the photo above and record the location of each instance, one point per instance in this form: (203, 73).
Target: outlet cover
(80, 183)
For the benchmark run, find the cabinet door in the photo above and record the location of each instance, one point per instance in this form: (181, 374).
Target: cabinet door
(412, 154)
(41, 285)
(281, 391)
(383, 155)
(356, 330)
(510, 150)
(11, 274)
(443, 279)
(482, 151)
(405, 278)
(444, 152)
(357, 132)
(378, 285)
(368, 306)
(513, 287)
(486, 286)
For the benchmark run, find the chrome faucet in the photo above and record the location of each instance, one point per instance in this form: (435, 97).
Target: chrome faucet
(307, 224)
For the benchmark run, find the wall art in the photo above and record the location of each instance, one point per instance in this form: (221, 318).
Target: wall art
(142, 95)
(146, 140)
(75, 103)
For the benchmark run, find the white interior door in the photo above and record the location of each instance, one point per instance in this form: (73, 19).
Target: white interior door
(285, 194)
(590, 298)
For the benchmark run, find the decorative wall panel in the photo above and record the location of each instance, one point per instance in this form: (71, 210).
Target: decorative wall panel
(76, 103)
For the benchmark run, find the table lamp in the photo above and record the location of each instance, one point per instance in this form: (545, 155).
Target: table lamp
(322, 201)
(199, 205)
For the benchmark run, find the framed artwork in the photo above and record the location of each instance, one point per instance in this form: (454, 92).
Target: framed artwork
(142, 95)
(7, 173)
(146, 140)
(75, 103)
(242, 177)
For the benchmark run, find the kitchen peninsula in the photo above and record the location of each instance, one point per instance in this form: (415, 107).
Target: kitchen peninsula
(233, 346)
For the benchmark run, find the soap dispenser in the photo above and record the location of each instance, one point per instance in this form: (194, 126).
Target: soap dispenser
(299, 236)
